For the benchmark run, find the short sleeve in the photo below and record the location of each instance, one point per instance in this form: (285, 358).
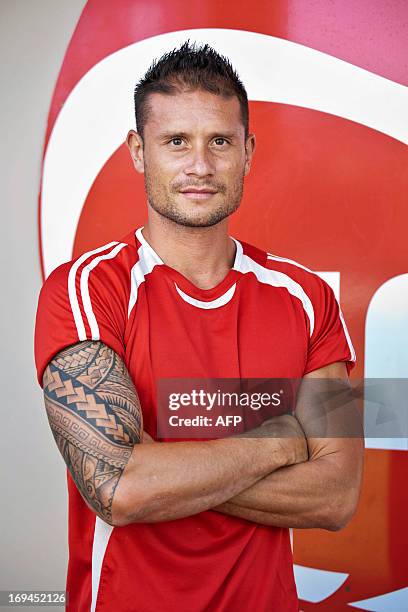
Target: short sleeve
(330, 340)
(74, 306)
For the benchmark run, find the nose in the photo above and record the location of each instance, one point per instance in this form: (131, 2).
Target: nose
(200, 163)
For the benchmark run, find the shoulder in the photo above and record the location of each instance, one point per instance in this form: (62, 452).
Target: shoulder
(109, 263)
(280, 269)
(85, 299)
(305, 276)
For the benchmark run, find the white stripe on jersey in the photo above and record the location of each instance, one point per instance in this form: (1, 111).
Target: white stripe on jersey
(279, 279)
(346, 332)
(73, 298)
(220, 301)
(148, 259)
(238, 255)
(141, 268)
(291, 261)
(86, 300)
(102, 533)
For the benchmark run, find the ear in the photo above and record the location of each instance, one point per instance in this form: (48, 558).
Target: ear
(249, 151)
(134, 142)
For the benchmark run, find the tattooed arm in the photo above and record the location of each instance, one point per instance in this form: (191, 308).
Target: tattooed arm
(95, 416)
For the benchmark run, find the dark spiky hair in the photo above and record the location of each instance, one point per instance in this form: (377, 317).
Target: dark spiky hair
(189, 67)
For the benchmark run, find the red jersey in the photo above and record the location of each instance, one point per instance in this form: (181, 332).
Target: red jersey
(269, 318)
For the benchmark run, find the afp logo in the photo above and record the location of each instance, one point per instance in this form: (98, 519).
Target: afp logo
(328, 188)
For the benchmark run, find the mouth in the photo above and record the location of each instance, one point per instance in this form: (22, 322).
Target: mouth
(198, 194)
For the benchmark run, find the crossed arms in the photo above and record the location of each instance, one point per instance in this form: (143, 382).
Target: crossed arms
(280, 477)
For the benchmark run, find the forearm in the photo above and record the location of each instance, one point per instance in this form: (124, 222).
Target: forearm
(167, 481)
(323, 491)
(95, 417)
(307, 495)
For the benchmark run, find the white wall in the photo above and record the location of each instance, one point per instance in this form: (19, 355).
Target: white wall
(34, 35)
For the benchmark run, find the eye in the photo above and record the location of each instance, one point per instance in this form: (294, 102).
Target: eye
(176, 141)
(220, 141)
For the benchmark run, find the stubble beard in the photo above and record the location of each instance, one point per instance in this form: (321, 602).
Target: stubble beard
(164, 203)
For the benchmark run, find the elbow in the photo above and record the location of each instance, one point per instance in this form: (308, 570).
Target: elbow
(340, 512)
(123, 515)
(127, 503)
(116, 516)
(342, 503)
(129, 508)
(111, 515)
(119, 517)
(338, 521)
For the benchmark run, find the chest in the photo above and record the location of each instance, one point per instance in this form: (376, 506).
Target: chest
(259, 332)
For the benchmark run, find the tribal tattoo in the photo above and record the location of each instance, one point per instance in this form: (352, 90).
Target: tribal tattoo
(95, 417)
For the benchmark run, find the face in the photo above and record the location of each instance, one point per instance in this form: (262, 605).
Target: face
(194, 156)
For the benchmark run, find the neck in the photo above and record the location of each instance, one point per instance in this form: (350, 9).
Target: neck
(204, 255)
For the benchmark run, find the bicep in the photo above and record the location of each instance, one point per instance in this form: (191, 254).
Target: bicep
(327, 410)
(95, 417)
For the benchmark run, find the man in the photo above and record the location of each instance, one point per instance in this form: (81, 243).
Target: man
(189, 525)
